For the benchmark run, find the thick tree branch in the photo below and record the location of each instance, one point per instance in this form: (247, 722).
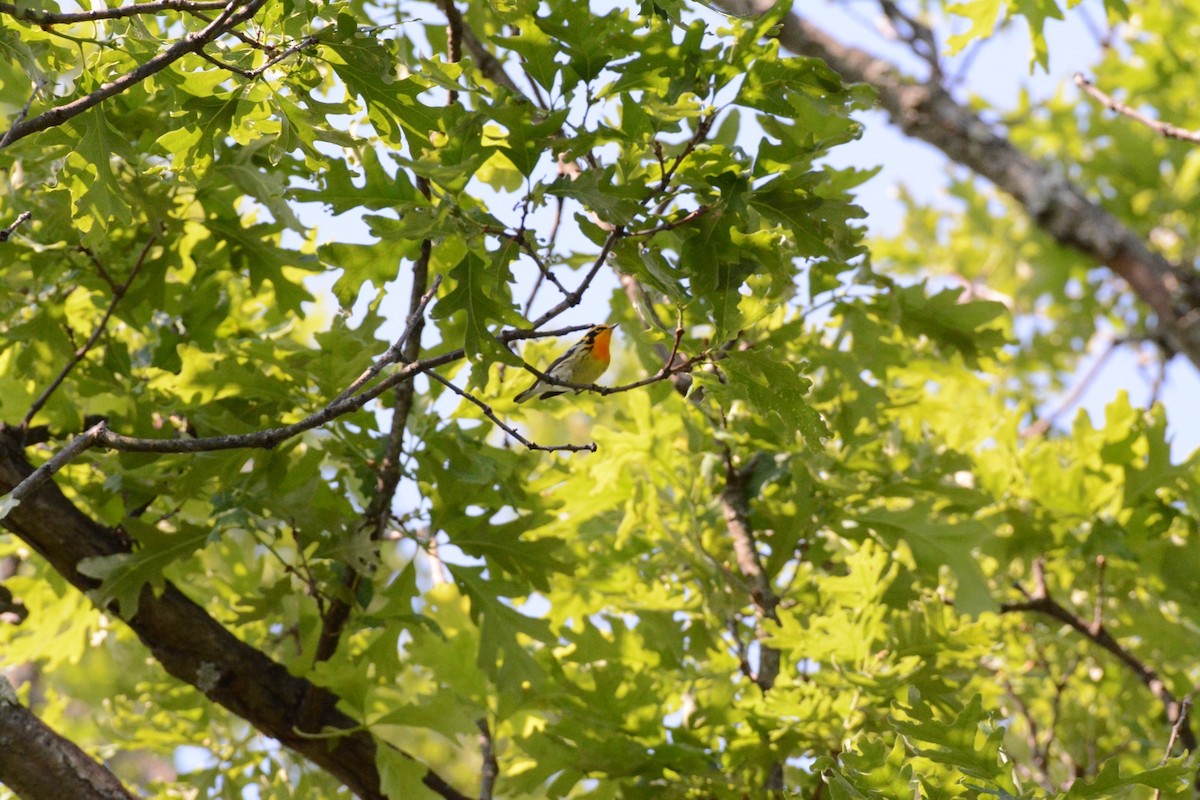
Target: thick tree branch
(190, 644)
(1055, 204)
(38, 764)
(232, 15)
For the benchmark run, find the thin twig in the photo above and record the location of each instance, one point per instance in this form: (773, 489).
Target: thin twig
(1098, 605)
(573, 298)
(1103, 38)
(1032, 732)
(673, 224)
(306, 42)
(666, 371)
(99, 265)
(245, 73)
(533, 293)
(521, 241)
(270, 437)
(1042, 425)
(23, 217)
(276, 55)
(538, 99)
(964, 65)
(1112, 104)
(1185, 708)
(81, 352)
(590, 447)
(702, 128)
(392, 354)
(23, 113)
(551, 239)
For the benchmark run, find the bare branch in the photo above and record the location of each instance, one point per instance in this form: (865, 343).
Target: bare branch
(522, 241)
(346, 403)
(245, 73)
(1180, 724)
(735, 503)
(387, 476)
(1098, 605)
(573, 298)
(409, 348)
(490, 414)
(23, 217)
(454, 36)
(1112, 104)
(306, 42)
(270, 437)
(232, 15)
(82, 351)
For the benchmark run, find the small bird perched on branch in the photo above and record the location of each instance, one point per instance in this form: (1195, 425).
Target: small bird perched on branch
(584, 362)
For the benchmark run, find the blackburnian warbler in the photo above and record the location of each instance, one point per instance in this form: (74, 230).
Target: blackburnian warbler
(584, 362)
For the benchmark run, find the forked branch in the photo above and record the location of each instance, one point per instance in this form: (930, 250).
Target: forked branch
(1039, 600)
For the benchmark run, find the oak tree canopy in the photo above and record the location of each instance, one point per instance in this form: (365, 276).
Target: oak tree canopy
(271, 274)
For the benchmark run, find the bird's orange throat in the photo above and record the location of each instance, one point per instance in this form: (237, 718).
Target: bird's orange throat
(600, 348)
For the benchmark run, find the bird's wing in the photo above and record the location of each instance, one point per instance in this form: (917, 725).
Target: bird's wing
(559, 361)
